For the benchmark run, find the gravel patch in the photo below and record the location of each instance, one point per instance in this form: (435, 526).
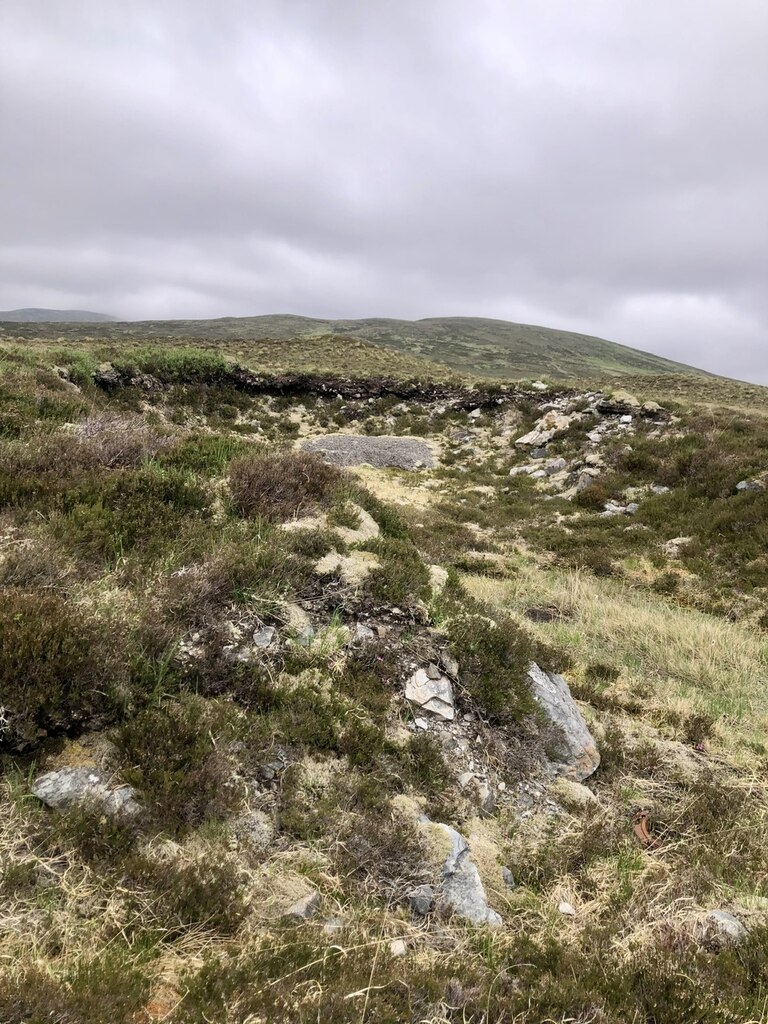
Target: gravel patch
(355, 450)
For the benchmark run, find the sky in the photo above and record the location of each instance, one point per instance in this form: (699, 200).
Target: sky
(599, 166)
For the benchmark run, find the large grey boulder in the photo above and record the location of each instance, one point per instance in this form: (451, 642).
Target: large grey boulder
(74, 787)
(463, 889)
(356, 450)
(580, 756)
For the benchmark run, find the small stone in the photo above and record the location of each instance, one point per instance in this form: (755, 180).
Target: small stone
(627, 419)
(632, 508)
(659, 489)
(433, 671)
(486, 798)
(305, 908)
(421, 899)
(362, 634)
(673, 548)
(594, 460)
(263, 637)
(567, 909)
(750, 485)
(539, 474)
(449, 664)
(584, 482)
(475, 414)
(555, 466)
(465, 779)
(508, 878)
(724, 926)
(398, 947)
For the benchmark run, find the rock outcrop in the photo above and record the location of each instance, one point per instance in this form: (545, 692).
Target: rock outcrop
(578, 750)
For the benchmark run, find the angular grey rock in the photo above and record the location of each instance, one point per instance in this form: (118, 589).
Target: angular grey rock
(659, 489)
(356, 450)
(550, 425)
(463, 890)
(362, 634)
(750, 485)
(580, 755)
(421, 899)
(398, 947)
(725, 927)
(449, 663)
(263, 637)
(69, 787)
(508, 878)
(555, 466)
(673, 548)
(305, 908)
(585, 480)
(435, 695)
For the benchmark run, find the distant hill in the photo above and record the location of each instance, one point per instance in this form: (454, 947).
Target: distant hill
(40, 316)
(468, 345)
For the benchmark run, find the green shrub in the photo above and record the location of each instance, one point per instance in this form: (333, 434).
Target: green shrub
(175, 756)
(111, 987)
(142, 511)
(207, 894)
(57, 668)
(209, 454)
(494, 658)
(279, 486)
(176, 365)
(403, 578)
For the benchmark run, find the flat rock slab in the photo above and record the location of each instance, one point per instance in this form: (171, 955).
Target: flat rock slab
(70, 787)
(580, 757)
(380, 452)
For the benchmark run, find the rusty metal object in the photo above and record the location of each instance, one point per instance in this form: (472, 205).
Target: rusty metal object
(641, 829)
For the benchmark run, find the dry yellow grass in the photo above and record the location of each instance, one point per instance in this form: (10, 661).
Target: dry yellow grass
(685, 655)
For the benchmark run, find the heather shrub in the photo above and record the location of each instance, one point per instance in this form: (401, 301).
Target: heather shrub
(278, 486)
(142, 510)
(494, 658)
(174, 755)
(57, 668)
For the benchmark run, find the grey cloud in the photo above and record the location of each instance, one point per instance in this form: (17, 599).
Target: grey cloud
(596, 166)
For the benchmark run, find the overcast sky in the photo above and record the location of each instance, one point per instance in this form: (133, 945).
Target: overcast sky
(599, 165)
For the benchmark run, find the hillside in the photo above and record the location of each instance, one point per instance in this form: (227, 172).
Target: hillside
(39, 316)
(470, 346)
(347, 697)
